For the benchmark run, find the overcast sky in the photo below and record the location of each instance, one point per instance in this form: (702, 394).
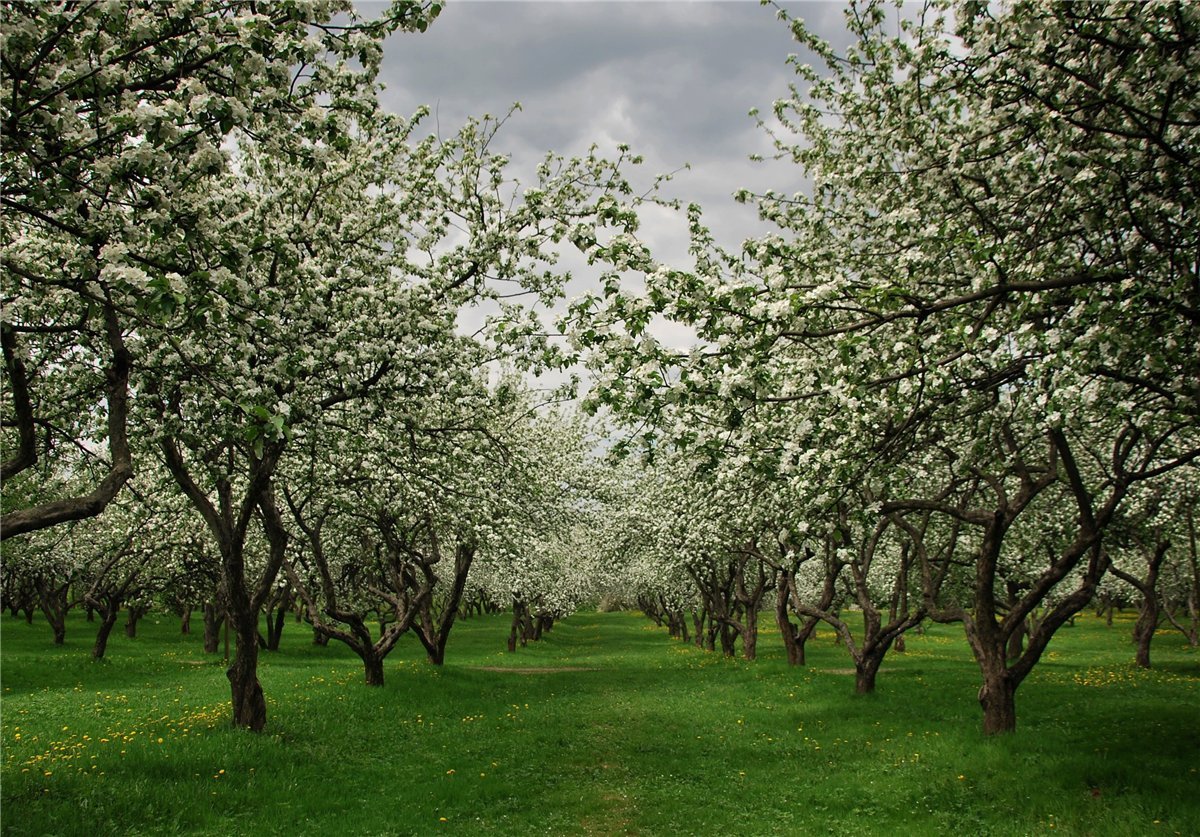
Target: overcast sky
(673, 80)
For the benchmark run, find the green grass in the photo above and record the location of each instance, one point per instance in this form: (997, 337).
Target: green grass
(638, 735)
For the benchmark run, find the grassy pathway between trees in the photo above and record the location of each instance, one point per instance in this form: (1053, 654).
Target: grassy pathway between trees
(605, 727)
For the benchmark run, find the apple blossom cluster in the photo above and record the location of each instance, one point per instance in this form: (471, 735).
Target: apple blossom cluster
(229, 271)
(968, 340)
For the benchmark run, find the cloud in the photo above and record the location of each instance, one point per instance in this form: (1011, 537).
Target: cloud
(674, 80)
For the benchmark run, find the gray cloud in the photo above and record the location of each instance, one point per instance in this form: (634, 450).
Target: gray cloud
(674, 80)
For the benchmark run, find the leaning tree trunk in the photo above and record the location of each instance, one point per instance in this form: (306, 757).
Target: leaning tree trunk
(1151, 610)
(108, 621)
(1016, 642)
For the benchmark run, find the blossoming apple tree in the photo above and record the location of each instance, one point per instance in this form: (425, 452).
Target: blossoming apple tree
(981, 305)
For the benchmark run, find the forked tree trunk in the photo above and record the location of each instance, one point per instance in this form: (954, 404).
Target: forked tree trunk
(433, 636)
(787, 629)
(866, 668)
(795, 636)
(1150, 611)
(136, 612)
(53, 603)
(275, 622)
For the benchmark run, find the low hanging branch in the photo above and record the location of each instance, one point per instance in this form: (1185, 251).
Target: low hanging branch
(120, 467)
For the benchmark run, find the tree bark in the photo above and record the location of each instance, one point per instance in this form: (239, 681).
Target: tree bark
(435, 634)
(750, 637)
(372, 668)
(866, 668)
(274, 637)
(54, 512)
(1016, 642)
(52, 599)
(107, 622)
(249, 704)
(997, 696)
(796, 635)
(136, 612)
(1144, 628)
(229, 521)
(212, 628)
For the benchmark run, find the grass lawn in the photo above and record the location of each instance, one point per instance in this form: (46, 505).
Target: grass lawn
(607, 726)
